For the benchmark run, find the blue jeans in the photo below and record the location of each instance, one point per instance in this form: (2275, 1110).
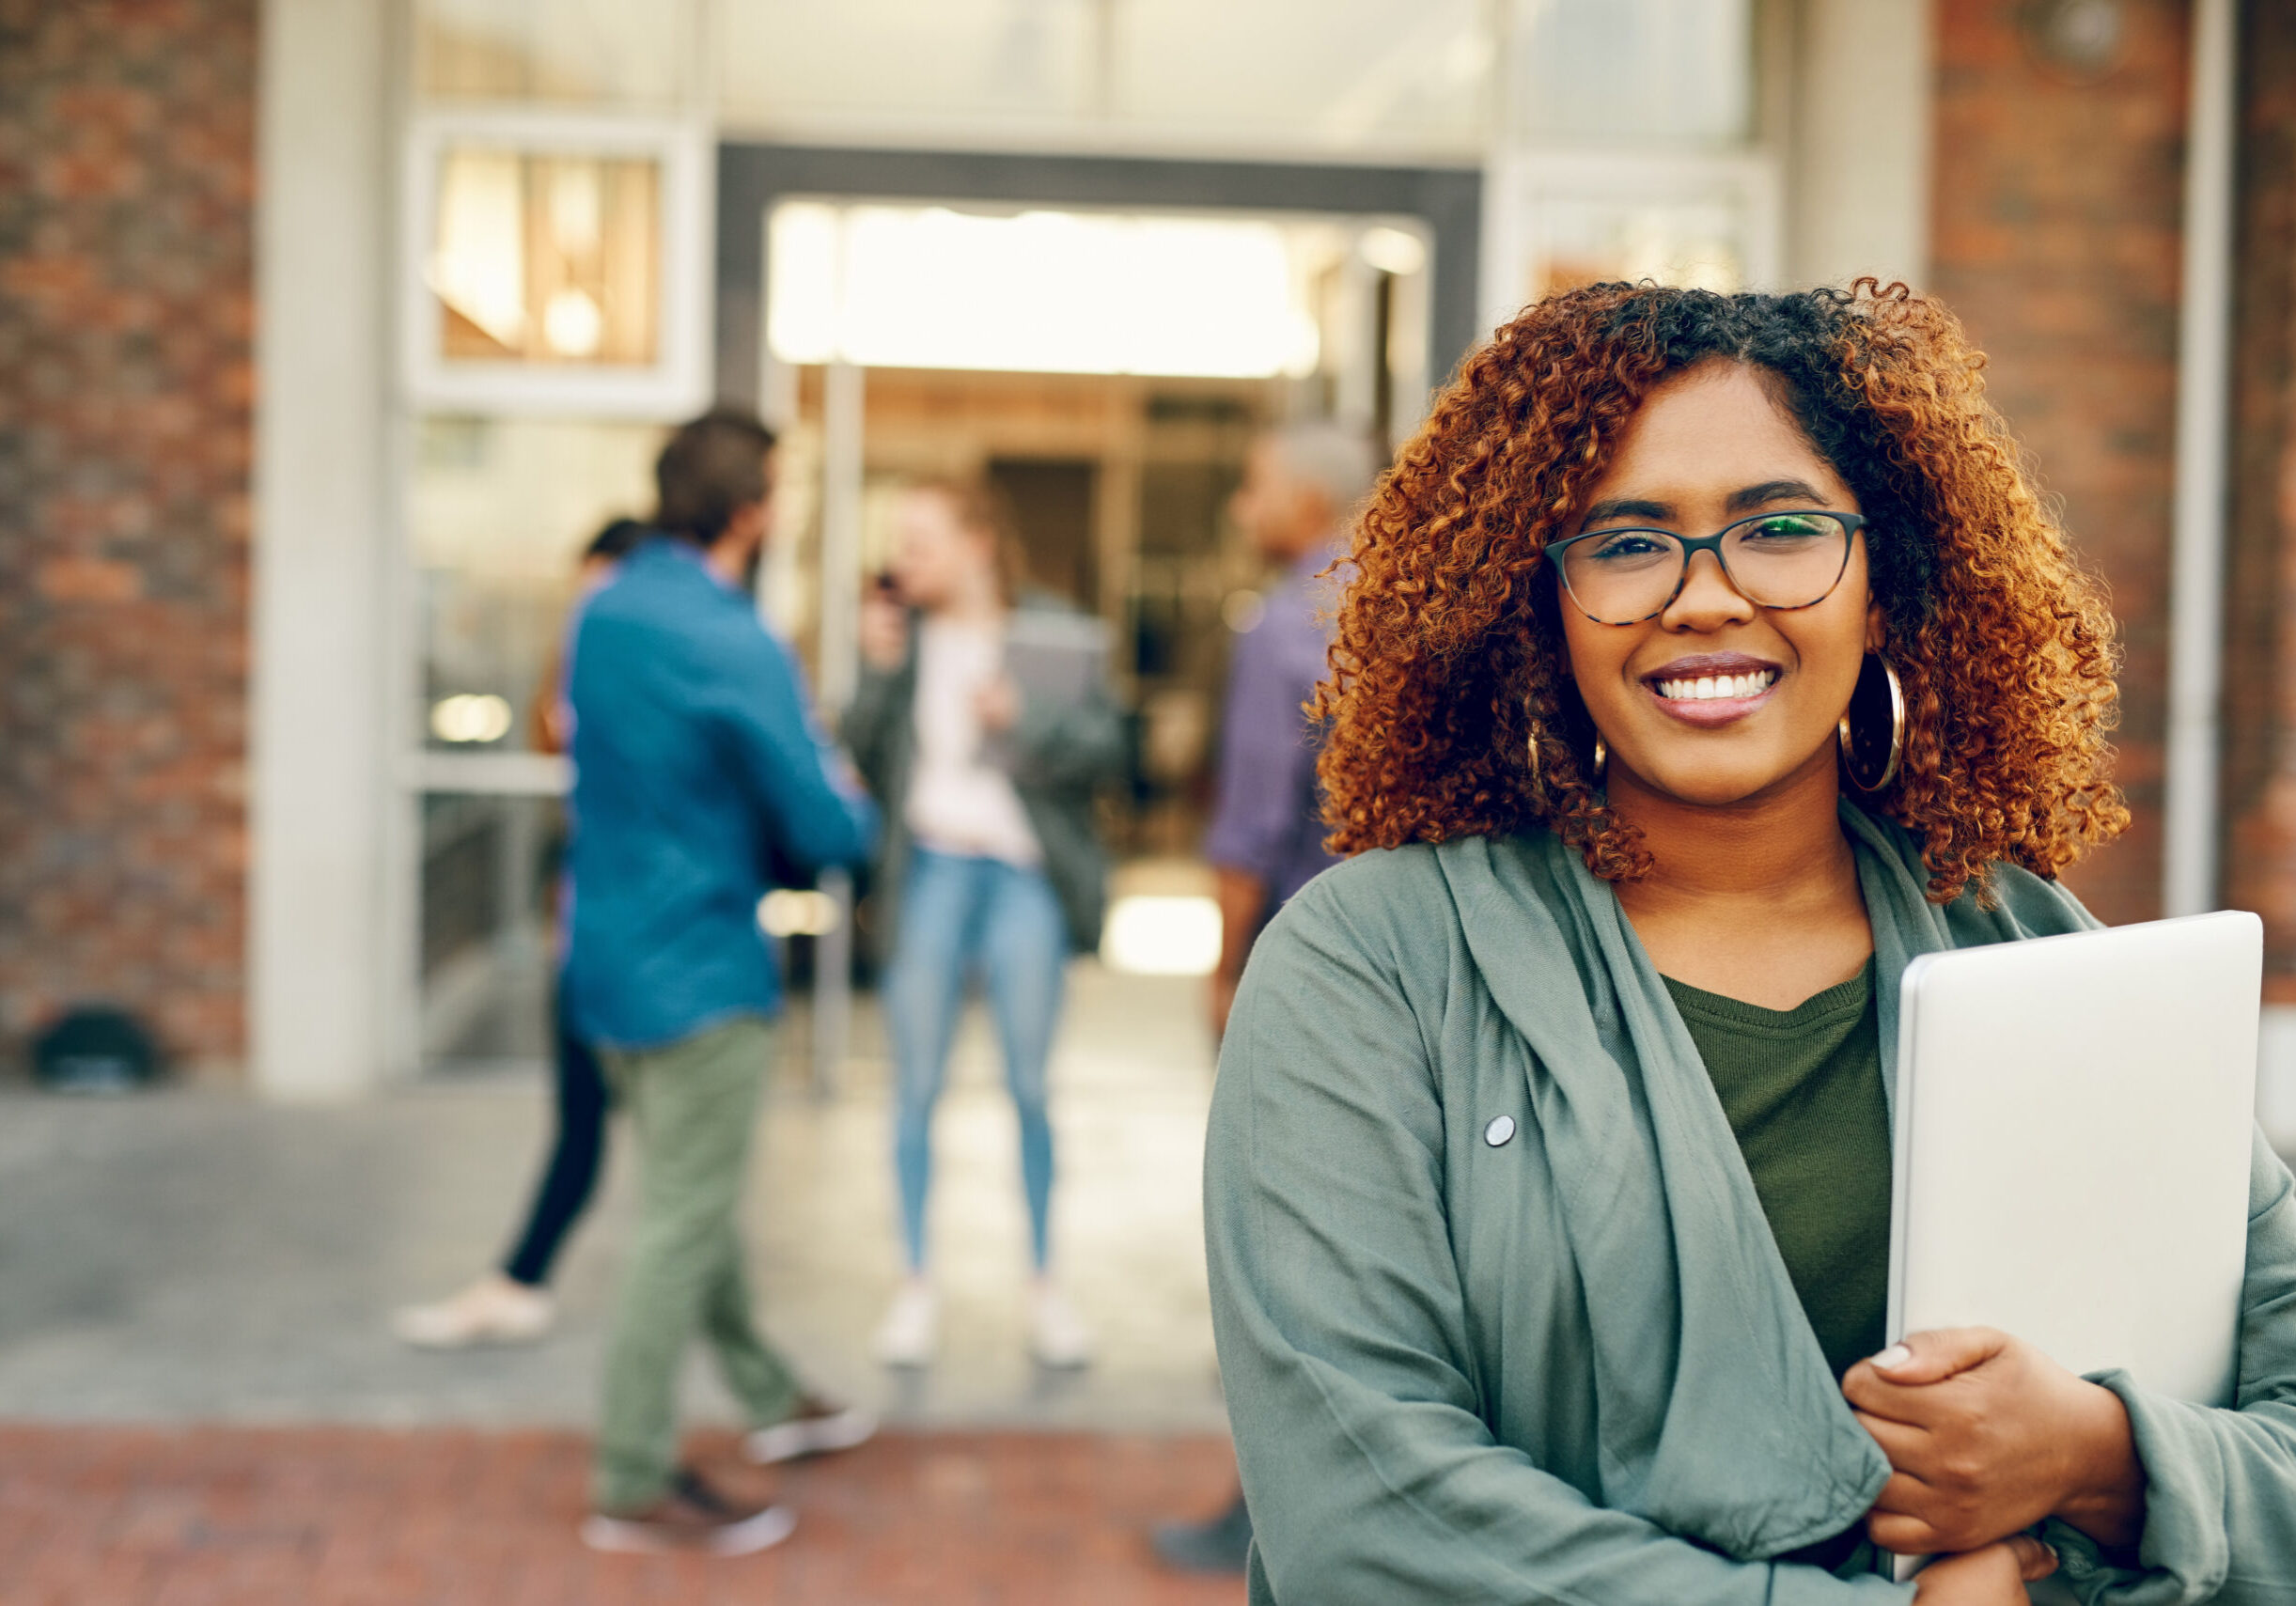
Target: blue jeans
(958, 914)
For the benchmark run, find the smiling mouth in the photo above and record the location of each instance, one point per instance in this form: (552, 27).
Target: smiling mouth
(1714, 688)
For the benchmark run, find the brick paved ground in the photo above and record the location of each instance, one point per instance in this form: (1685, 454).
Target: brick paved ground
(439, 1517)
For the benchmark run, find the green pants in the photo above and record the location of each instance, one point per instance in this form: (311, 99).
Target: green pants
(693, 1106)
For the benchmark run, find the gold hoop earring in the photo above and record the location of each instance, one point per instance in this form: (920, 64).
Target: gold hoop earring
(1601, 760)
(1857, 754)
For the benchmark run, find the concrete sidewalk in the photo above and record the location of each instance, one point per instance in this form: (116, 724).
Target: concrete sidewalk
(188, 1257)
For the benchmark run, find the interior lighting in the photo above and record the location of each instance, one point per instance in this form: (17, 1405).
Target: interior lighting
(787, 911)
(1032, 293)
(1162, 936)
(573, 325)
(1391, 250)
(470, 717)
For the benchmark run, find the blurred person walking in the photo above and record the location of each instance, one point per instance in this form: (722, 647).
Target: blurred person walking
(1266, 838)
(990, 863)
(511, 1303)
(696, 767)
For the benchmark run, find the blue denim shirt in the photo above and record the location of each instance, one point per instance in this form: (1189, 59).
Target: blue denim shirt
(700, 781)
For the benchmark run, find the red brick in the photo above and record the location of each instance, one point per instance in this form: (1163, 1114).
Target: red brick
(127, 177)
(343, 1517)
(2056, 237)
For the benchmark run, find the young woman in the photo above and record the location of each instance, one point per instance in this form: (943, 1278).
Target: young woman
(1705, 659)
(989, 864)
(511, 1303)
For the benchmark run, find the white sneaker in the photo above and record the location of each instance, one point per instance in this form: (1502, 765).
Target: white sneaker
(912, 1326)
(815, 1428)
(690, 1517)
(493, 1310)
(1056, 1334)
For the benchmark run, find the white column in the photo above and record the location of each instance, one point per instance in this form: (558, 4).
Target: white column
(843, 401)
(2196, 545)
(1862, 131)
(316, 793)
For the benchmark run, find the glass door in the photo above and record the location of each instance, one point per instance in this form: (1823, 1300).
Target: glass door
(554, 236)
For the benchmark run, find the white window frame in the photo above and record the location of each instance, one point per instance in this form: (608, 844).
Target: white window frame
(677, 384)
(1519, 188)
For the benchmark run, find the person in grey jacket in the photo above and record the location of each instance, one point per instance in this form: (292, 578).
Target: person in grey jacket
(988, 862)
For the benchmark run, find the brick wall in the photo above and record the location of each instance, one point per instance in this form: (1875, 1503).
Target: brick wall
(2260, 772)
(2056, 237)
(126, 310)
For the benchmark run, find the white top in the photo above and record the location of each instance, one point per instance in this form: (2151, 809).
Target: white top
(959, 801)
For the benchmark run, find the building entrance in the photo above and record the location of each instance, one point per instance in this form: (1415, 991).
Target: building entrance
(1101, 361)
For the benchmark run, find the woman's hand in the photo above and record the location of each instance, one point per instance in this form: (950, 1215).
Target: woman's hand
(1995, 1575)
(884, 634)
(1987, 1436)
(998, 705)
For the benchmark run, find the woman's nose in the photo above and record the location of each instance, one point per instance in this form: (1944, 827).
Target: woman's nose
(1707, 597)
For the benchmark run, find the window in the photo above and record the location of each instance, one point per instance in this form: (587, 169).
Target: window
(556, 264)
(1629, 74)
(546, 257)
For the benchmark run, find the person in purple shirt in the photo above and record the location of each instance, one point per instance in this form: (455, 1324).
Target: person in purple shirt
(1301, 485)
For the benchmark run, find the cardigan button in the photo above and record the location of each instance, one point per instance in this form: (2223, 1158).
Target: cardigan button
(1501, 1128)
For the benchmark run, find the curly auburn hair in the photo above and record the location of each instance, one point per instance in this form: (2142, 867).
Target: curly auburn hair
(1448, 661)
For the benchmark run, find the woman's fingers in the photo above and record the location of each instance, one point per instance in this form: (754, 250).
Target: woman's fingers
(1901, 1441)
(2035, 1560)
(1899, 1520)
(1905, 1495)
(1901, 1535)
(1932, 1357)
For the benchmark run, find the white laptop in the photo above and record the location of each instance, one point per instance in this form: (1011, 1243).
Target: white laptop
(2074, 1118)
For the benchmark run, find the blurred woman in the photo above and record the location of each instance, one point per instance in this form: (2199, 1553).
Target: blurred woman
(511, 1303)
(989, 865)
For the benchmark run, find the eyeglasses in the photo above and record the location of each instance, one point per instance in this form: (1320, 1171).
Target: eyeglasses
(1773, 560)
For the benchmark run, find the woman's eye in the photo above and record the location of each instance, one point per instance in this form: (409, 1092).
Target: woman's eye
(1788, 528)
(1629, 544)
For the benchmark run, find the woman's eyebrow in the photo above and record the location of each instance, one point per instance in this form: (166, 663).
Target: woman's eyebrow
(1626, 508)
(1774, 490)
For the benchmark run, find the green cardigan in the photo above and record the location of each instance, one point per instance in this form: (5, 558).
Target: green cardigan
(1560, 1360)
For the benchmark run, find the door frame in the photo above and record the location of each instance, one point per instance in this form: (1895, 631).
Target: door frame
(753, 178)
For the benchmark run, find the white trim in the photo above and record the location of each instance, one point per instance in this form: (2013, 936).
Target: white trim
(678, 383)
(1518, 185)
(1860, 129)
(500, 775)
(317, 721)
(991, 137)
(2197, 571)
(2277, 1076)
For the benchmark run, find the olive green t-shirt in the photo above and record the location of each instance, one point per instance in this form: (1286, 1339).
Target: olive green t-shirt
(1802, 1090)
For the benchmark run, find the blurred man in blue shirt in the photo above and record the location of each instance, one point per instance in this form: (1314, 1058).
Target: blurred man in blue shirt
(698, 770)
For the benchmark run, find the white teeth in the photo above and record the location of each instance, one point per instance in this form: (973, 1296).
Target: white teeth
(1706, 688)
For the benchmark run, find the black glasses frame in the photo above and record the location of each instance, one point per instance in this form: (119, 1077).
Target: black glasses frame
(1693, 545)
